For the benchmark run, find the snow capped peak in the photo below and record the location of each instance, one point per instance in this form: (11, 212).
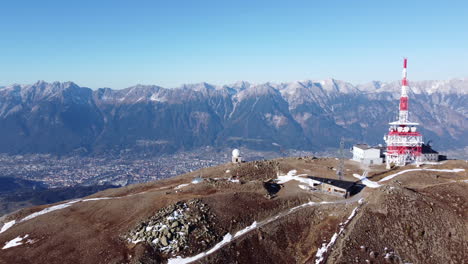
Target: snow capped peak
(459, 86)
(134, 94)
(332, 85)
(203, 86)
(239, 85)
(256, 91)
(242, 83)
(309, 90)
(454, 86)
(295, 92)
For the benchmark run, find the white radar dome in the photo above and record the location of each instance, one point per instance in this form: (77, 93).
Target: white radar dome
(236, 153)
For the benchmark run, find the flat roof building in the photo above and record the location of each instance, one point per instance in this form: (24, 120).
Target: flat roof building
(337, 187)
(367, 155)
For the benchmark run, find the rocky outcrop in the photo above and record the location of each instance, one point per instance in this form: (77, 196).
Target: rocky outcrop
(183, 228)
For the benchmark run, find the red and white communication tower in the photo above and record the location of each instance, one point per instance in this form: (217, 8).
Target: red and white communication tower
(404, 143)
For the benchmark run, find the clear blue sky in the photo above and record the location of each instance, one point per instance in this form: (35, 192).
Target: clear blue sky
(121, 43)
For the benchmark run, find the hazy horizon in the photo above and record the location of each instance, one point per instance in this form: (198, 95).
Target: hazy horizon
(119, 44)
(222, 84)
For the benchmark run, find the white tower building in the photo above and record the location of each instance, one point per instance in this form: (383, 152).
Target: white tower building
(236, 158)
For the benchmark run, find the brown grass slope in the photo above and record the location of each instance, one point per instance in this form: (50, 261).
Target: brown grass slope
(421, 216)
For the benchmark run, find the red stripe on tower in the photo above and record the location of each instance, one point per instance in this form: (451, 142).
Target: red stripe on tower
(404, 63)
(404, 103)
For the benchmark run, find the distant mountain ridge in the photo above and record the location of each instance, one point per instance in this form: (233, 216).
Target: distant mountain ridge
(64, 118)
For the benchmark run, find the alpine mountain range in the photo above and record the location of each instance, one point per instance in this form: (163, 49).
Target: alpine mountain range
(64, 118)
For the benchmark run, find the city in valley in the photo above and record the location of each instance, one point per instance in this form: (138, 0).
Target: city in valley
(119, 169)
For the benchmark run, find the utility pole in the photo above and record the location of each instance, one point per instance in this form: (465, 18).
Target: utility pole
(340, 170)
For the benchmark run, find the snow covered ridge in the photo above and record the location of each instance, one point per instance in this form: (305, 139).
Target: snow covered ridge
(389, 177)
(152, 92)
(8, 225)
(373, 184)
(48, 210)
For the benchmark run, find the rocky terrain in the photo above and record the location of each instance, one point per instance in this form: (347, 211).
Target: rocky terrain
(64, 118)
(178, 229)
(256, 212)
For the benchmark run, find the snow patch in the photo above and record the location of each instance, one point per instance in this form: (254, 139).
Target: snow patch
(177, 214)
(389, 177)
(226, 239)
(48, 210)
(14, 242)
(246, 230)
(181, 186)
(136, 241)
(179, 260)
(365, 181)
(7, 225)
(157, 98)
(51, 209)
(291, 175)
(194, 181)
(97, 199)
(319, 257)
(197, 180)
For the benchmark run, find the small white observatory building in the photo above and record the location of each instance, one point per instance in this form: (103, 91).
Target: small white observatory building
(236, 157)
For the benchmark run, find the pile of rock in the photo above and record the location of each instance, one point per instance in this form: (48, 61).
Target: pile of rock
(184, 227)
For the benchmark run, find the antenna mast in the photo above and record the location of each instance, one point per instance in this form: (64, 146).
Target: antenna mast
(340, 170)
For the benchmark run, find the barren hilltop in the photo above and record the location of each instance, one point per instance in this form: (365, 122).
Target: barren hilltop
(289, 210)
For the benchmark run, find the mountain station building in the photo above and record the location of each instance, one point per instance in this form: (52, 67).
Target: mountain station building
(336, 187)
(367, 155)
